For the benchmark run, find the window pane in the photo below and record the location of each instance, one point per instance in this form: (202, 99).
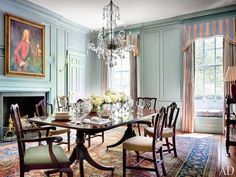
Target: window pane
(120, 75)
(219, 74)
(209, 57)
(209, 88)
(210, 74)
(219, 54)
(198, 83)
(118, 65)
(219, 42)
(209, 43)
(219, 91)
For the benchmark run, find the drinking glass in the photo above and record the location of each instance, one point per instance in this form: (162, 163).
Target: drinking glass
(140, 107)
(86, 108)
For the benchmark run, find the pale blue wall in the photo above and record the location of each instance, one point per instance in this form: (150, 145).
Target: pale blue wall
(61, 35)
(161, 64)
(161, 53)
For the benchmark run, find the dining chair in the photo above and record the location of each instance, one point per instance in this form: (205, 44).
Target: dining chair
(142, 144)
(90, 135)
(169, 130)
(147, 103)
(47, 156)
(43, 108)
(63, 103)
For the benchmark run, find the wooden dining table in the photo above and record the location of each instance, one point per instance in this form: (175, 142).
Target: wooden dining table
(80, 151)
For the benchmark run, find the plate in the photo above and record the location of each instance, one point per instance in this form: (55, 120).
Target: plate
(62, 113)
(62, 117)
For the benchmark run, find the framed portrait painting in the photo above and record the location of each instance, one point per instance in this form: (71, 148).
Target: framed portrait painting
(24, 47)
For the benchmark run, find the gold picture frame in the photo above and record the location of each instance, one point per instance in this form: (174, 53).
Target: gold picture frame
(24, 47)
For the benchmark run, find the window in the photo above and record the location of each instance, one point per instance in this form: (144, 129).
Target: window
(120, 75)
(209, 85)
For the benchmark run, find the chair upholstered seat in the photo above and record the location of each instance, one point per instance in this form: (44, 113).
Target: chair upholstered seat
(35, 156)
(48, 157)
(167, 132)
(140, 143)
(149, 131)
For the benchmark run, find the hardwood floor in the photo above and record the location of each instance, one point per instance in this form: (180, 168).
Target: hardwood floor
(226, 164)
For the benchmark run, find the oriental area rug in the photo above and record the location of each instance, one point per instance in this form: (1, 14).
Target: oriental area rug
(197, 157)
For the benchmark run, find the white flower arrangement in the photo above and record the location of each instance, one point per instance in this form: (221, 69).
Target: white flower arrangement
(110, 97)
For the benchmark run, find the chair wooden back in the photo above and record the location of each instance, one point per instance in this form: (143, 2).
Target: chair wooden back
(159, 125)
(43, 108)
(172, 115)
(147, 102)
(15, 114)
(63, 103)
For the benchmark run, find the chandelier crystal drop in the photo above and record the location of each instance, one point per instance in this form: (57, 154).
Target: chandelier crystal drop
(111, 45)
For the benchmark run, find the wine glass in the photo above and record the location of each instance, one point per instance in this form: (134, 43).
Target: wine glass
(140, 107)
(86, 108)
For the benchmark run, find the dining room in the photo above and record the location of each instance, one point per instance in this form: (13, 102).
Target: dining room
(117, 88)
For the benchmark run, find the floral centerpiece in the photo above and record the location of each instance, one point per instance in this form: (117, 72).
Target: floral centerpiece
(110, 97)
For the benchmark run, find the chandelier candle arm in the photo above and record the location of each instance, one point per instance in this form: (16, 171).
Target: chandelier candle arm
(110, 45)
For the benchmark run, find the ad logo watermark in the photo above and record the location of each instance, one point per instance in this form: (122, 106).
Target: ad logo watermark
(227, 171)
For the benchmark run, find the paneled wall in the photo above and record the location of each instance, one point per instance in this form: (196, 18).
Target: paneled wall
(61, 37)
(161, 64)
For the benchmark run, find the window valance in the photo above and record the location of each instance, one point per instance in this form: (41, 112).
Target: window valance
(225, 27)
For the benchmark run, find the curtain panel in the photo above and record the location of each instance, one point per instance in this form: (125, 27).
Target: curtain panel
(225, 27)
(134, 67)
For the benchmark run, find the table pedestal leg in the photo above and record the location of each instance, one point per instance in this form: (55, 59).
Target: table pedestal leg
(129, 132)
(80, 153)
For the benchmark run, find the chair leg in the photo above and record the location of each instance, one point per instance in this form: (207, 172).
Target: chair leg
(139, 131)
(103, 137)
(89, 138)
(68, 140)
(167, 144)
(124, 162)
(69, 172)
(137, 156)
(155, 162)
(162, 162)
(22, 173)
(174, 146)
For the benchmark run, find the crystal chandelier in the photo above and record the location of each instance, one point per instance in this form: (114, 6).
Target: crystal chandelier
(111, 45)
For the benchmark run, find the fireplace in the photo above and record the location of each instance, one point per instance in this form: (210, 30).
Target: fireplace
(26, 106)
(26, 102)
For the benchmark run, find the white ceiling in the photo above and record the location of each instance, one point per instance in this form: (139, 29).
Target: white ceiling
(89, 12)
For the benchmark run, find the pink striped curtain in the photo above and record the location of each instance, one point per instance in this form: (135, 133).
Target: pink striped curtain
(225, 27)
(134, 69)
(105, 79)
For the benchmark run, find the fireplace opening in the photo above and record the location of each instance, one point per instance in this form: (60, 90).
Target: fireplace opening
(26, 106)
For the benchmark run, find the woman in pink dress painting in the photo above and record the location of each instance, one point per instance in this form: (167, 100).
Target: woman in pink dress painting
(23, 52)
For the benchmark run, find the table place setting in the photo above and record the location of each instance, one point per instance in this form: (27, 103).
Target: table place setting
(96, 121)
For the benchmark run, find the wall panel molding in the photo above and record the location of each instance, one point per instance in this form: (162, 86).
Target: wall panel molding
(2, 51)
(172, 73)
